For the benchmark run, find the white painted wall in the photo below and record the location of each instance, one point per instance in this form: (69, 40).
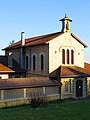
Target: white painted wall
(4, 76)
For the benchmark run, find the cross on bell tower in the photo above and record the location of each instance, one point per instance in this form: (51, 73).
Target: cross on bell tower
(66, 24)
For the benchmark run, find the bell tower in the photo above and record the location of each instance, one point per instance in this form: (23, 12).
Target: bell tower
(66, 24)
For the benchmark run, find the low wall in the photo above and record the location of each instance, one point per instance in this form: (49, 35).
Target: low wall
(15, 97)
(12, 103)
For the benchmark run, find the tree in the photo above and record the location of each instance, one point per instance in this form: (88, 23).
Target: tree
(12, 42)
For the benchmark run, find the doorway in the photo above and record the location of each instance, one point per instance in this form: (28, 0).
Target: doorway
(79, 88)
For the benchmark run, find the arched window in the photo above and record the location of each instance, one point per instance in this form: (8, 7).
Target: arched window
(66, 86)
(34, 62)
(42, 62)
(63, 56)
(72, 57)
(67, 56)
(27, 62)
(89, 84)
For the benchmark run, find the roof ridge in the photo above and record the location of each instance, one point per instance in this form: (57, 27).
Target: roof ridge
(46, 34)
(32, 39)
(42, 36)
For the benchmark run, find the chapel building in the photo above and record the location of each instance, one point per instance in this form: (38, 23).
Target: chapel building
(57, 55)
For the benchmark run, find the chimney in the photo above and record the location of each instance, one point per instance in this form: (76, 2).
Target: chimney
(22, 50)
(10, 59)
(22, 38)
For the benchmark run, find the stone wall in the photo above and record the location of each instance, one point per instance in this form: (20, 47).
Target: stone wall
(37, 51)
(88, 86)
(65, 41)
(30, 51)
(68, 88)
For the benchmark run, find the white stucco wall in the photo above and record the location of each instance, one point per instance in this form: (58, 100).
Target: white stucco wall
(4, 76)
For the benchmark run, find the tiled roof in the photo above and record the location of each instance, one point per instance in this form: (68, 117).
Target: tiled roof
(70, 71)
(73, 71)
(15, 83)
(87, 67)
(15, 65)
(35, 40)
(4, 69)
(41, 40)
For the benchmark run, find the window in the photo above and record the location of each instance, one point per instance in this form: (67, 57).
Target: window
(68, 86)
(63, 56)
(34, 92)
(27, 62)
(13, 94)
(89, 84)
(42, 62)
(34, 62)
(72, 57)
(16, 76)
(67, 56)
(52, 90)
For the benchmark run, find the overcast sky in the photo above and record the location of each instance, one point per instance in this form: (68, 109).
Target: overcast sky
(38, 17)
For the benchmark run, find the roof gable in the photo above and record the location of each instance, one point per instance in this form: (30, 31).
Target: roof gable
(74, 36)
(35, 40)
(73, 71)
(70, 71)
(41, 40)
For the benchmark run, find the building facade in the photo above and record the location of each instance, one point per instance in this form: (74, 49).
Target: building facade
(58, 55)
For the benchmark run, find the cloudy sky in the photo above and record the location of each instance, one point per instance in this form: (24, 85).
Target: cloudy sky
(38, 17)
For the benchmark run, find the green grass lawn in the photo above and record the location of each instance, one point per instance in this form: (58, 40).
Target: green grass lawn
(74, 110)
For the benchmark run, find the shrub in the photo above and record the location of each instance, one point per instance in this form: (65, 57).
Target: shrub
(39, 102)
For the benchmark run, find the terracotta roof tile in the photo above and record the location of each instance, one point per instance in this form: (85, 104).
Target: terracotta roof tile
(15, 83)
(87, 67)
(41, 40)
(70, 71)
(15, 65)
(4, 69)
(73, 71)
(35, 40)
